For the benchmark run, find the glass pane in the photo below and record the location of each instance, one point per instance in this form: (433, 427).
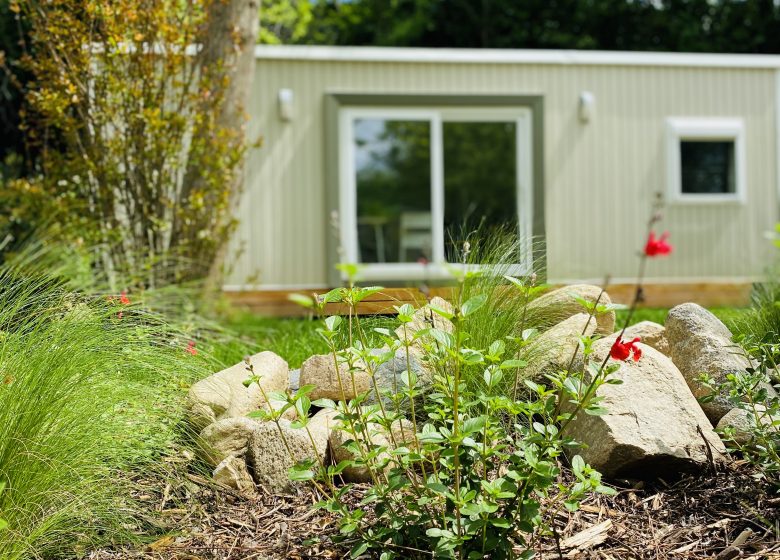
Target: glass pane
(707, 167)
(393, 175)
(480, 180)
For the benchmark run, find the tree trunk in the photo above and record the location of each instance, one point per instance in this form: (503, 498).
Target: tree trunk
(228, 58)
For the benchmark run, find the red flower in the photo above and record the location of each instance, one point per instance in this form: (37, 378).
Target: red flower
(621, 350)
(191, 348)
(656, 246)
(123, 299)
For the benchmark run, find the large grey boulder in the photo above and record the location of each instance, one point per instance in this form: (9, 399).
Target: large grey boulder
(320, 370)
(320, 426)
(650, 334)
(558, 305)
(225, 438)
(742, 422)
(223, 395)
(652, 427)
(339, 452)
(554, 349)
(271, 454)
(388, 377)
(700, 343)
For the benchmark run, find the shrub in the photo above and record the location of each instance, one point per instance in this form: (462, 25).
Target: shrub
(130, 122)
(466, 458)
(757, 436)
(472, 471)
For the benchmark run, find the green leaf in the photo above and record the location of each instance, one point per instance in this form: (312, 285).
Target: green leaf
(3, 524)
(358, 549)
(324, 403)
(474, 424)
(332, 323)
(332, 296)
(302, 300)
(442, 312)
(577, 464)
(296, 474)
(606, 490)
(508, 364)
(363, 293)
(473, 304)
(442, 337)
(516, 281)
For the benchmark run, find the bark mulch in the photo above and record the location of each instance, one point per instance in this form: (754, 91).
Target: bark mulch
(719, 516)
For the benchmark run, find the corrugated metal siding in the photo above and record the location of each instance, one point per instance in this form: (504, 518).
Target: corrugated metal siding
(600, 177)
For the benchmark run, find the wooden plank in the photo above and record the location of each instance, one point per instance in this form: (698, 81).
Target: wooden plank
(276, 302)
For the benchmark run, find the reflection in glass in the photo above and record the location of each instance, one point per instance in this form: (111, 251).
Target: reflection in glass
(393, 177)
(480, 180)
(707, 167)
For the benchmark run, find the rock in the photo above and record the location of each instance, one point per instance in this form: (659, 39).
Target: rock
(652, 334)
(225, 438)
(320, 371)
(652, 425)
(321, 425)
(553, 350)
(387, 377)
(700, 343)
(271, 459)
(223, 395)
(743, 422)
(425, 318)
(340, 453)
(401, 433)
(232, 472)
(558, 305)
(295, 379)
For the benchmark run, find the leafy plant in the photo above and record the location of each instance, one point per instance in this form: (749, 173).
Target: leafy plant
(470, 472)
(757, 436)
(459, 466)
(126, 115)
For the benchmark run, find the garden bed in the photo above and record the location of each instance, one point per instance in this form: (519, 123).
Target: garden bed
(694, 517)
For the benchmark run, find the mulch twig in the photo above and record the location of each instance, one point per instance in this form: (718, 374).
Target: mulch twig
(719, 516)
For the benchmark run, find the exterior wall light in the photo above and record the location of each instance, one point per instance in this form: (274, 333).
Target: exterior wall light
(286, 99)
(587, 106)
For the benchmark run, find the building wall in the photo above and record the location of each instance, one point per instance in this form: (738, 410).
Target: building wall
(600, 177)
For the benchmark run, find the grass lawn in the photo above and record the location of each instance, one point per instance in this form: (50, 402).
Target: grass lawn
(295, 339)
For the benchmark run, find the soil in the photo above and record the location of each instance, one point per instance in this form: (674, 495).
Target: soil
(722, 515)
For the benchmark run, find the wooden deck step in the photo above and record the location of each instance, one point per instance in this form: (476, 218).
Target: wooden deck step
(276, 303)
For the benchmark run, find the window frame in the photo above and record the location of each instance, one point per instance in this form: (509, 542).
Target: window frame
(438, 268)
(681, 129)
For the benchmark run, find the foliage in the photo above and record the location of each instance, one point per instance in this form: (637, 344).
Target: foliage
(89, 388)
(751, 391)
(666, 25)
(456, 479)
(284, 21)
(125, 117)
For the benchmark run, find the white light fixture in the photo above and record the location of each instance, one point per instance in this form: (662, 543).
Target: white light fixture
(587, 106)
(286, 99)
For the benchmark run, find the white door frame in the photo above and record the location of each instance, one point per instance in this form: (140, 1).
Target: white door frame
(438, 268)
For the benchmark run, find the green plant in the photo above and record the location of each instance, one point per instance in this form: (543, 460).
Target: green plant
(757, 436)
(90, 396)
(459, 467)
(129, 119)
(471, 471)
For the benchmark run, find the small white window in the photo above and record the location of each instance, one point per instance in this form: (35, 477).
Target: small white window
(705, 160)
